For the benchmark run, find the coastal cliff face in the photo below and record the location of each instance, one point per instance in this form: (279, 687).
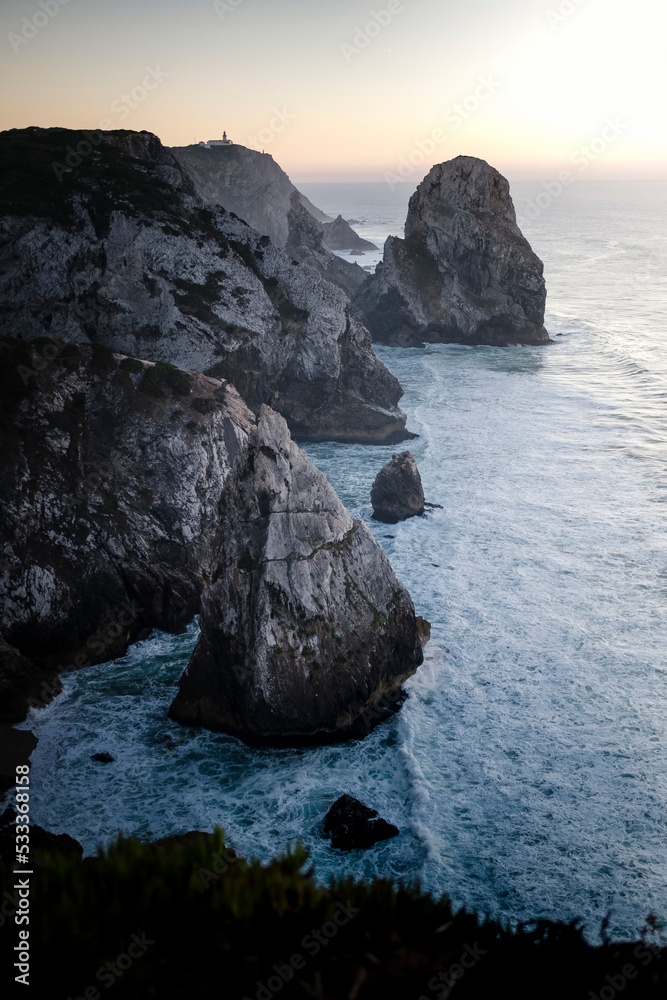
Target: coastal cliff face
(112, 472)
(255, 188)
(306, 627)
(119, 249)
(129, 488)
(464, 272)
(248, 183)
(305, 244)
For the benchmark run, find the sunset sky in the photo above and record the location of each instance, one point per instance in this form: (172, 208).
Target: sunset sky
(349, 90)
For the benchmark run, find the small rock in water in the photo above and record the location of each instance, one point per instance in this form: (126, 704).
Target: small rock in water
(397, 492)
(104, 758)
(351, 825)
(357, 253)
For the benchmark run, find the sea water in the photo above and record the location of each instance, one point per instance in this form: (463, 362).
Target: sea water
(527, 771)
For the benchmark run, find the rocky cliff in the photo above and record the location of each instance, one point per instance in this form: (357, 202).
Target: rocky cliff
(464, 273)
(305, 244)
(305, 627)
(246, 182)
(104, 239)
(112, 472)
(253, 186)
(131, 487)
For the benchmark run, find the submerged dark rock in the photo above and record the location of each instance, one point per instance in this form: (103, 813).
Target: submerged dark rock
(103, 758)
(352, 825)
(306, 627)
(122, 251)
(464, 273)
(397, 492)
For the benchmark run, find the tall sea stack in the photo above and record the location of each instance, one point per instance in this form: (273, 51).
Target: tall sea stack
(464, 273)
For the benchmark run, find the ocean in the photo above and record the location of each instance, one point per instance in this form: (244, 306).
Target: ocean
(527, 770)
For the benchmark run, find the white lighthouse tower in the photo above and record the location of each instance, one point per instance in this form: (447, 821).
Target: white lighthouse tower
(218, 142)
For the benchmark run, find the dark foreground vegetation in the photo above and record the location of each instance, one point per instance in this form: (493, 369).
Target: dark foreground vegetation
(185, 918)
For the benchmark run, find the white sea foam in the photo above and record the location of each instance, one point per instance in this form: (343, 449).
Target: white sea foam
(527, 770)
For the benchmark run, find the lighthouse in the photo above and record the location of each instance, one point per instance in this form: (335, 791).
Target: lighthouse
(218, 142)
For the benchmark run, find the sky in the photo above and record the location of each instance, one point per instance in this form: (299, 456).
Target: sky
(342, 90)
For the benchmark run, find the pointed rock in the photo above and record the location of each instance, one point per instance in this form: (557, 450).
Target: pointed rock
(464, 273)
(306, 627)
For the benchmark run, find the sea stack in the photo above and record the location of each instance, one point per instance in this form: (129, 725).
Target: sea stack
(464, 273)
(306, 627)
(397, 492)
(339, 235)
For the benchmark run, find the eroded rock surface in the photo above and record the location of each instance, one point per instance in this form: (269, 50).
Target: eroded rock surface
(121, 250)
(305, 244)
(129, 488)
(257, 189)
(352, 825)
(464, 273)
(249, 183)
(306, 626)
(339, 235)
(397, 492)
(113, 471)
